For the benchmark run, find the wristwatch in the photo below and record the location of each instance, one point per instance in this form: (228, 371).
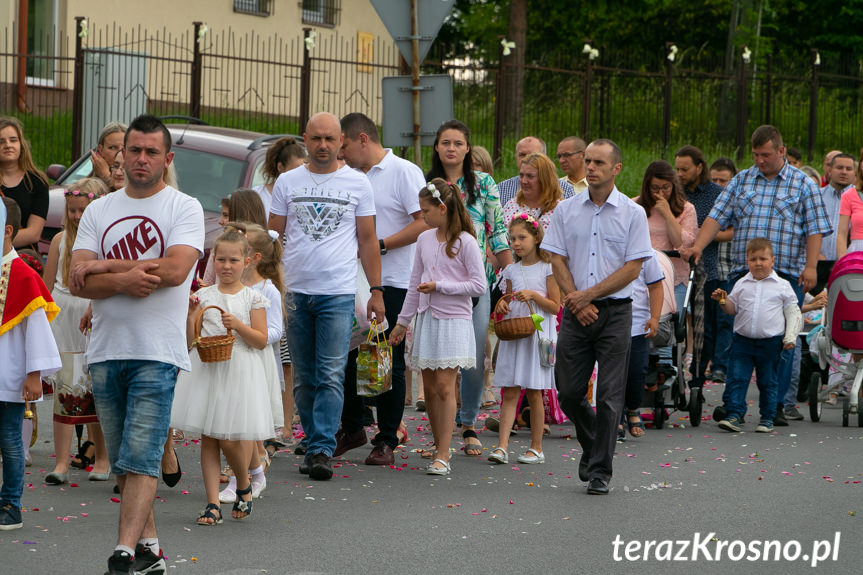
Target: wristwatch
(383, 247)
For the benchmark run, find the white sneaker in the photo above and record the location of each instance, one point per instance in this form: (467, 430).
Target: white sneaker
(259, 483)
(229, 493)
(532, 456)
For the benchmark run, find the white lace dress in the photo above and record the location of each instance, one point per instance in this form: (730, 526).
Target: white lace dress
(518, 360)
(227, 399)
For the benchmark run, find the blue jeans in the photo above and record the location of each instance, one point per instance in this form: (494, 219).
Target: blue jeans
(133, 402)
(639, 355)
(787, 358)
(791, 395)
(724, 330)
(12, 449)
(763, 355)
(319, 335)
(473, 380)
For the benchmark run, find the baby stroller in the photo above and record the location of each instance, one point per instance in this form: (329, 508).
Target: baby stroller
(661, 377)
(842, 328)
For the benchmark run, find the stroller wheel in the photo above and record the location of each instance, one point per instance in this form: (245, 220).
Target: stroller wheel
(846, 408)
(814, 404)
(695, 402)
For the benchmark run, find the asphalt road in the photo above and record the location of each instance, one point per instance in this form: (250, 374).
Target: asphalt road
(803, 483)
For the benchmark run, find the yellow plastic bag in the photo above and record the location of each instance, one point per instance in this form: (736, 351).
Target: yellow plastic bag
(374, 364)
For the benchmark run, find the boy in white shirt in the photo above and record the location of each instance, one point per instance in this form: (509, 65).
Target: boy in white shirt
(27, 351)
(767, 319)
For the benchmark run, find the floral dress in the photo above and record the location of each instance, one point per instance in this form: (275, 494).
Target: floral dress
(487, 218)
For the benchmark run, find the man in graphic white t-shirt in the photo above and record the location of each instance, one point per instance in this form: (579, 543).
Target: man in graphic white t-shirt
(134, 256)
(396, 183)
(326, 214)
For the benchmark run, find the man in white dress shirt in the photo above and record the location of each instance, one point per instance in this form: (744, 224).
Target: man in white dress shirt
(598, 242)
(396, 183)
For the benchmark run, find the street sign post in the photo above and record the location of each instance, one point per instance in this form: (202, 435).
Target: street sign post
(396, 16)
(414, 24)
(436, 105)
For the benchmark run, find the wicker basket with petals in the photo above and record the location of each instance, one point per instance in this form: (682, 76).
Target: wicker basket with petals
(212, 348)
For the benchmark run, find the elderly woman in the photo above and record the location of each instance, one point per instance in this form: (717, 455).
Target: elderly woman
(539, 190)
(672, 220)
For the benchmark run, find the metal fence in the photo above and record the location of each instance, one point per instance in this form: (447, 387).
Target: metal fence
(272, 84)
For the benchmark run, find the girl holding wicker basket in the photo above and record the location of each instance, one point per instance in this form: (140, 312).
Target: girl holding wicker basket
(448, 270)
(524, 363)
(226, 396)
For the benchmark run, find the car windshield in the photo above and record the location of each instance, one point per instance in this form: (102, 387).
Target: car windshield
(207, 177)
(202, 175)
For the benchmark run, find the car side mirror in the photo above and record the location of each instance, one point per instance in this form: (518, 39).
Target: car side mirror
(55, 171)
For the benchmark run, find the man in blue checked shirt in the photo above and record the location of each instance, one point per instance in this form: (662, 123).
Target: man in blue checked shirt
(774, 200)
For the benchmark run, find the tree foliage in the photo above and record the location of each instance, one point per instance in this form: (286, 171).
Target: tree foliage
(556, 30)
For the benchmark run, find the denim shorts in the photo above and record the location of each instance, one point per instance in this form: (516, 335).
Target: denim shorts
(133, 402)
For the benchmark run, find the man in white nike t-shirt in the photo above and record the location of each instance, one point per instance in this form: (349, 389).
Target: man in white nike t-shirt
(134, 257)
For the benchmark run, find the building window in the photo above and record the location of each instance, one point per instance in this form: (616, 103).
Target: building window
(321, 12)
(256, 7)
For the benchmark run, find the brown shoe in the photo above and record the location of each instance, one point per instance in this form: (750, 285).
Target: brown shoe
(382, 454)
(347, 441)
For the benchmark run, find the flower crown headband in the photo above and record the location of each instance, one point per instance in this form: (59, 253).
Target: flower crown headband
(529, 219)
(79, 193)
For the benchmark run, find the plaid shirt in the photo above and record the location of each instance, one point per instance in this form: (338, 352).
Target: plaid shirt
(786, 210)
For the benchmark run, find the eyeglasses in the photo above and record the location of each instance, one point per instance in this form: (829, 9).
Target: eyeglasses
(115, 168)
(664, 188)
(568, 154)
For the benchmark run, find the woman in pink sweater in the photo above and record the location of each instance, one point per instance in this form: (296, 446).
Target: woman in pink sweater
(448, 270)
(672, 220)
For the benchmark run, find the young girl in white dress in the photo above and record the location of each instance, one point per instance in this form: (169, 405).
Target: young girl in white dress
(227, 402)
(529, 279)
(71, 342)
(264, 275)
(447, 271)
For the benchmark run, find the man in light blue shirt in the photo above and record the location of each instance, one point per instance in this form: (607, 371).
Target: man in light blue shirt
(598, 242)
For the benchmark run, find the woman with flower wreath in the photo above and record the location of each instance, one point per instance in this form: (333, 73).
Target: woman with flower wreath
(452, 162)
(71, 409)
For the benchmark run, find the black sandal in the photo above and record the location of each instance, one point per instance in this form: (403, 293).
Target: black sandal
(243, 506)
(272, 447)
(467, 434)
(83, 460)
(207, 513)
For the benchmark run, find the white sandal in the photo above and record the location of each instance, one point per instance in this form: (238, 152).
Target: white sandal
(498, 455)
(532, 456)
(432, 470)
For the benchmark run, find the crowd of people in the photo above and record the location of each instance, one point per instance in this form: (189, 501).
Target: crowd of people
(228, 354)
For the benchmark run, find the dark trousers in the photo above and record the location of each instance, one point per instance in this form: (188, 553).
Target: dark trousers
(607, 342)
(639, 355)
(708, 346)
(724, 331)
(824, 268)
(390, 405)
